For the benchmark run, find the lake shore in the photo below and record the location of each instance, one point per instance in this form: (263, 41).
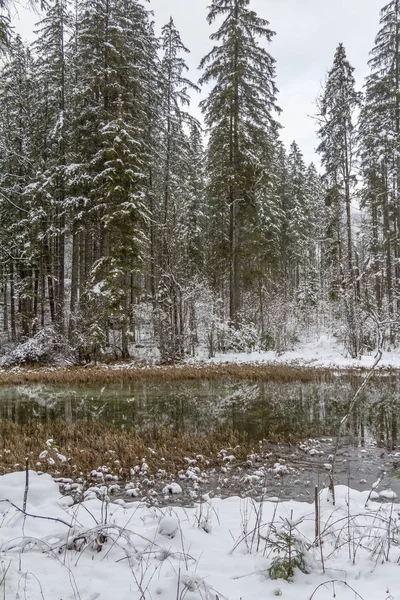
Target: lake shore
(107, 373)
(118, 371)
(315, 360)
(138, 464)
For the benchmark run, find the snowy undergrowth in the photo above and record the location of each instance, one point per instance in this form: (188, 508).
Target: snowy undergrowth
(45, 347)
(323, 351)
(319, 348)
(220, 549)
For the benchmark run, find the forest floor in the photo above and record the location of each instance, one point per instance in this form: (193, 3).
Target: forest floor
(236, 548)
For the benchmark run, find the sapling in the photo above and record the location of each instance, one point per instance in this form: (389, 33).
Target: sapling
(26, 491)
(288, 549)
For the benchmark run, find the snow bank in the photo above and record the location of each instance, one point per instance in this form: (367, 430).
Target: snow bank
(323, 352)
(220, 549)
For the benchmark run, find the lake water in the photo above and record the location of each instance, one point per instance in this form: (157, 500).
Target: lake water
(257, 409)
(262, 411)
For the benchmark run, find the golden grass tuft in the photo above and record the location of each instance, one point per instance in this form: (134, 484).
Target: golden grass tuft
(89, 445)
(184, 372)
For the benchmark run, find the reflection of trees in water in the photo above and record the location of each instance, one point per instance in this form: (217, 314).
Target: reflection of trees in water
(376, 417)
(259, 409)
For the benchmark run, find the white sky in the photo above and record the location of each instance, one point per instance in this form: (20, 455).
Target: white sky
(307, 34)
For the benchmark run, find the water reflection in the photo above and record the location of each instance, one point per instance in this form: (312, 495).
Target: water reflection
(259, 410)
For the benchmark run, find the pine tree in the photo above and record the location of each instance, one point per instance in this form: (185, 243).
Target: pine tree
(239, 115)
(152, 128)
(16, 162)
(337, 106)
(119, 189)
(377, 164)
(48, 192)
(109, 173)
(296, 215)
(316, 276)
(195, 224)
(171, 210)
(385, 67)
(380, 157)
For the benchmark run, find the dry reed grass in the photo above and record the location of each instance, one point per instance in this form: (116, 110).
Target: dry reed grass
(90, 445)
(107, 374)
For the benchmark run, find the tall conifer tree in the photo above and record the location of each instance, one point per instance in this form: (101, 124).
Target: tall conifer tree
(239, 113)
(337, 106)
(380, 157)
(175, 153)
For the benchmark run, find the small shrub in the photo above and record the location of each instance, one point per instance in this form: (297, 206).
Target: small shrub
(288, 549)
(244, 339)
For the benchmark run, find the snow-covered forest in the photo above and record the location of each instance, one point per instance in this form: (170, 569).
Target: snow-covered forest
(125, 222)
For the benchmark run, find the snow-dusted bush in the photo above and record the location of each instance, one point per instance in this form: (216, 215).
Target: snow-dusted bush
(282, 324)
(45, 347)
(244, 339)
(89, 342)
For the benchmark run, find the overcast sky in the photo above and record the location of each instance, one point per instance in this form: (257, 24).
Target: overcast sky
(307, 34)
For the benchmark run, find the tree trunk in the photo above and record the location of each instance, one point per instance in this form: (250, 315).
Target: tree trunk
(74, 280)
(397, 112)
(12, 305)
(235, 224)
(351, 281)
(5, 304)
(386, 228)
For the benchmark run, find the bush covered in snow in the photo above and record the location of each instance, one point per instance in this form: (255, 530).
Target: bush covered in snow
(45, 347)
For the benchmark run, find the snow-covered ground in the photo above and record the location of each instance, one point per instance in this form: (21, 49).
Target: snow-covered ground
(321, 352)
(221, 549)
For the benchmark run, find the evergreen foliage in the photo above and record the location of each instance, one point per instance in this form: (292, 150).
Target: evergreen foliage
(239, 113)
(123, 223)
(337, 106)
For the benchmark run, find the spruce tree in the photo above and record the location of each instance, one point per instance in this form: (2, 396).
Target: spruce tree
(337, 106)
(380, 159)
(109, 173)
(296, 215)
(48, 192)
(172, 193)
(239, 113)
(16, 165)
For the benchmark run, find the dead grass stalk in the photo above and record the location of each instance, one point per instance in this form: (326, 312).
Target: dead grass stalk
(111, 373)
(90, 445)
